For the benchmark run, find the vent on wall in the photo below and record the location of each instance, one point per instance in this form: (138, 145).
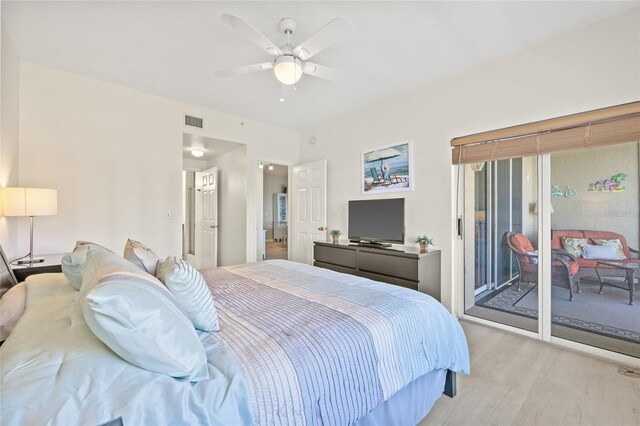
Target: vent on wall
(193, 121)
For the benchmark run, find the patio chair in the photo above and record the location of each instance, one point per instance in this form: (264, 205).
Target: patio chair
(377, 179)
(564, 272)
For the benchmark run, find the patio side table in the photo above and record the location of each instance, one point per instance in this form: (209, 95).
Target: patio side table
(631, 268)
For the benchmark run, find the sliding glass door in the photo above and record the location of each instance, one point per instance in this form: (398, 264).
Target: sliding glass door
(595, 235)
(551, 228)
(503, 194)
(593, 203)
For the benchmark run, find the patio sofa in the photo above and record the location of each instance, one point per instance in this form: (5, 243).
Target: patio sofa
(588, 266)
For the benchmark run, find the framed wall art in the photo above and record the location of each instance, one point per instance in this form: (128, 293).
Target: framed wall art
(387, 168)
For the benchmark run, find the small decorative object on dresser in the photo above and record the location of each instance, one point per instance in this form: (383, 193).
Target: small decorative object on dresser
(335, 234)
(424, 242)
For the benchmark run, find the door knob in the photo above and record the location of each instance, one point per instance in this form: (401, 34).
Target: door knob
(322, 228)
(213, 226)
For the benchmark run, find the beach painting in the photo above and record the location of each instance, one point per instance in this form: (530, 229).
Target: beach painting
(387, 168)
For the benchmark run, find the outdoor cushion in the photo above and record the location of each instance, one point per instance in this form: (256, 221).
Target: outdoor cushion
(604, 251)
(574, 267)
(522, 244)
(609, 235)
(574, 245)
(587, 263)
(615, 244)
(558, 235)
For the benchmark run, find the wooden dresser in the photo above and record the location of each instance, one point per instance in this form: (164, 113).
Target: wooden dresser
(404, 266)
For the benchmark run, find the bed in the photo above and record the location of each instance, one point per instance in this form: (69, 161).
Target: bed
(297, 345)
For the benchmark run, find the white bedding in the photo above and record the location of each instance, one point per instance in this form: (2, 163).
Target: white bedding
(62, 368)
(314, 346)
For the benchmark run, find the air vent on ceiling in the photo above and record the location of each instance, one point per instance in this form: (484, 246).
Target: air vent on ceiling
(193, 121)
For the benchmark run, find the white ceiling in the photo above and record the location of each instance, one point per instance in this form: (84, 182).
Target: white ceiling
(212, 147)
(172, 49)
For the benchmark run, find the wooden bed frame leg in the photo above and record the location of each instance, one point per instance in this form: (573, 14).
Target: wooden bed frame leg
(450, 388)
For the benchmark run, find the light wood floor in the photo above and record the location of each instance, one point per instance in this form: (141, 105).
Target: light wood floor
(521, 381)
(275, 250)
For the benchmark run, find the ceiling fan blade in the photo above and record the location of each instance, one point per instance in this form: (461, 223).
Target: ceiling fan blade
(321, 71)
(335, 30)
(251, 33)
(245, 69)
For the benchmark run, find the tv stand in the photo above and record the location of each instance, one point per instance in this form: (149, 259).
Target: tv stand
(404, 266)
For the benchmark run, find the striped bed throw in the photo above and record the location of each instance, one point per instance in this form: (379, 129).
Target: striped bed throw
(320, 347)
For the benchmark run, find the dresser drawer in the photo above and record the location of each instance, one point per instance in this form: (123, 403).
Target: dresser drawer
(395, 266)
(336, 268)
(389, 280)
(335, 256)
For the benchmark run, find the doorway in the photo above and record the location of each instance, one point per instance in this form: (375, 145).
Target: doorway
(212, 175)
(275, 211)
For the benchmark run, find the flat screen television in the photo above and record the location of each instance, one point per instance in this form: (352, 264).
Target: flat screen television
(377, 221)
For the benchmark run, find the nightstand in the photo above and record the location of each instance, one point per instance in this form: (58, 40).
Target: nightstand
(52, 263)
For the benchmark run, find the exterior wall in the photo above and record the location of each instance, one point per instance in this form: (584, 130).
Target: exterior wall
(599, 211)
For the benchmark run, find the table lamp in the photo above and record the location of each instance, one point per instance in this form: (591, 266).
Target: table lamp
(29, 202)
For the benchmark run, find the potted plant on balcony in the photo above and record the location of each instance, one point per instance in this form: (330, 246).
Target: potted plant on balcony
(335, 234)
(424, 242)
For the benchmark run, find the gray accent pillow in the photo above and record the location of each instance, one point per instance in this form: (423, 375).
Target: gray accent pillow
(141, 256)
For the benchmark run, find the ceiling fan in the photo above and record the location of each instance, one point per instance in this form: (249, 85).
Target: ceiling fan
(290, 61)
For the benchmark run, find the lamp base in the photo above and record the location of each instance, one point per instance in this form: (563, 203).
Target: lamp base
(30, 261)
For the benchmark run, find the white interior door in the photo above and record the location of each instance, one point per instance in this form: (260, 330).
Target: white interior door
(308, 209)
(206, 205)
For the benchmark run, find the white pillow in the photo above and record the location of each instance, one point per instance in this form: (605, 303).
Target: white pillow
(141, 256)
(615, 243)
(189, 288)
(73, 263)
(137, 317)
(12, 306)
(590, 251)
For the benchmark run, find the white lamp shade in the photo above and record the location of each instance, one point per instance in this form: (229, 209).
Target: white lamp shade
(29, 202)
(287, 69)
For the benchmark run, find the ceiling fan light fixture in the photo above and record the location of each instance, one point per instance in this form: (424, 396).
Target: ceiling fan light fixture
(288, 69)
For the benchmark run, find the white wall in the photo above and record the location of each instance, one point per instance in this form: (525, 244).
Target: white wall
(232, 206)
(115, 156)
(592, 67)
(9, 109)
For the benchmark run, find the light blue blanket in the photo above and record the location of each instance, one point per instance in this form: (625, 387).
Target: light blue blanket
(319, 347)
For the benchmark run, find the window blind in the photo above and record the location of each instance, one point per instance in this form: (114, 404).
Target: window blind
(606, 126)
